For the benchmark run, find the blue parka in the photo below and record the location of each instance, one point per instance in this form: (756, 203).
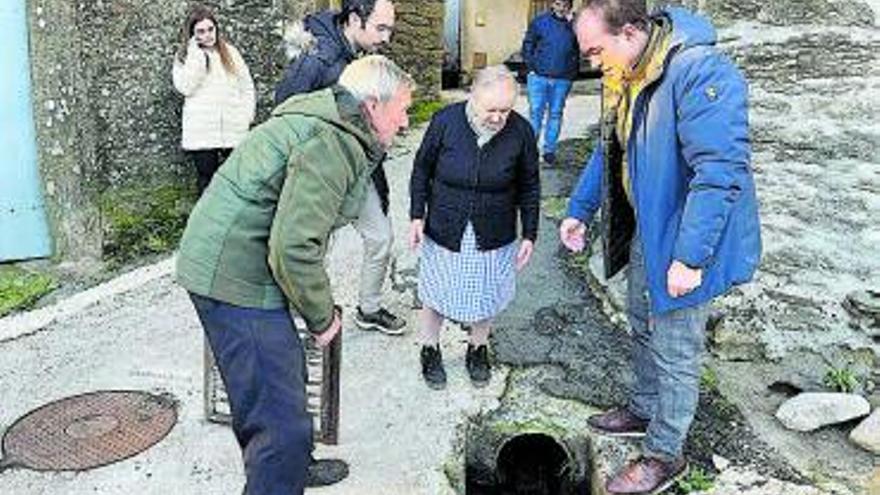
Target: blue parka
(550, 48)
(689, 163)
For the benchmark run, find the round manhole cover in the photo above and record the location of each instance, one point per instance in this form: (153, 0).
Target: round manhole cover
(88, 431)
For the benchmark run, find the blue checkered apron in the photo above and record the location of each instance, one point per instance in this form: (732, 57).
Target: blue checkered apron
(470, 285)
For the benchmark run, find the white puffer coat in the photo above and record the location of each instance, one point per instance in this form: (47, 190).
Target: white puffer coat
(218, 107)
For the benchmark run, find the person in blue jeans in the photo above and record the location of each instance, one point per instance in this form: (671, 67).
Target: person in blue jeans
(550, 52)
(673, 178)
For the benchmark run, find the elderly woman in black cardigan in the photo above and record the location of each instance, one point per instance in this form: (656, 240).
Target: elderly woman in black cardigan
(477, 167)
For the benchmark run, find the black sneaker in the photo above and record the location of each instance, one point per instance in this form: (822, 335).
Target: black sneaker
(382, 320)
(324, 472)
(432, 367)
(550, 158)
(477, 361)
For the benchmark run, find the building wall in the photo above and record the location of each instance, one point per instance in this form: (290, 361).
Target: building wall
(497, 32)
(486, 28)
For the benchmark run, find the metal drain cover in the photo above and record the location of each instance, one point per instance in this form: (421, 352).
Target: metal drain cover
(88, 431)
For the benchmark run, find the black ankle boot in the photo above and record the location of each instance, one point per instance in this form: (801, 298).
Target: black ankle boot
(324, 472)
(478, 366)
(432, 367)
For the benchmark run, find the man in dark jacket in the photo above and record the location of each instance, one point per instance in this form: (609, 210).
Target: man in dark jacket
(672, 175)
(320, 47)
(324, 43)
(551, 54)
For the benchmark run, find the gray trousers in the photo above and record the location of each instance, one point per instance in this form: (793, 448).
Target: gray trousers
(374, 227)
(667, 350)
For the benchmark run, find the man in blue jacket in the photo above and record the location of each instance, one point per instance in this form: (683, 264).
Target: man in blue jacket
(550, 52)
(673, 178)
(320, 48)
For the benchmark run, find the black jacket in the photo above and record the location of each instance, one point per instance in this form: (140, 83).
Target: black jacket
(454, 181)
(320, 67)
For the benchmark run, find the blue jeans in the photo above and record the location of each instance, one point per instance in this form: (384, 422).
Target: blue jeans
(666, 355)
(262, 363)
(547, 92)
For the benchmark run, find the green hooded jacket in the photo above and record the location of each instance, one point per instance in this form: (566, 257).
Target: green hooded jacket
(258, 235)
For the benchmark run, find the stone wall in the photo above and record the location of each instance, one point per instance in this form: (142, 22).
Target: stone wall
(785, 12)
(64, 124)
(418, 43)
(108, 117)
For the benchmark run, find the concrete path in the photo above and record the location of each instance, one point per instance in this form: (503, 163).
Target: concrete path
(140, 332)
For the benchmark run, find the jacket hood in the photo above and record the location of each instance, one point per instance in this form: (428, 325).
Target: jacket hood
(317, 33)
(297, 40)
(328, 34)
(689, 29)
(337, 107)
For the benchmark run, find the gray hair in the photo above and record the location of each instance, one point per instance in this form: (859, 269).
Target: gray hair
(492, 75)
(375, 76)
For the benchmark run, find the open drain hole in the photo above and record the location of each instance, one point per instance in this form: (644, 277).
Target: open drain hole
(532, 464)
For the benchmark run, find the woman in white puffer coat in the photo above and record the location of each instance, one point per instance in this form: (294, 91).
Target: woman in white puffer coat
(219, 98)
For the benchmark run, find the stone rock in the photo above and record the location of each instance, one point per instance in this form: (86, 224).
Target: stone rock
(864, 304)
(811, 411)
(867, 434)
(720, 462)
(733, 339)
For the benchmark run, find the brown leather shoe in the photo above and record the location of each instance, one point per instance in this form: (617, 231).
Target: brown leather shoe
(619, 423)
(647, 476)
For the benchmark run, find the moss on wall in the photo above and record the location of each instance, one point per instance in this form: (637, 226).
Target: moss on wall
(140, 221)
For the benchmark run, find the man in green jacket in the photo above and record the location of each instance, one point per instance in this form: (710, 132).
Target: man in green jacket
(254, 248)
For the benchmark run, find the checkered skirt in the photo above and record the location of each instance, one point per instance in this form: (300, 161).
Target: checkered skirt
(469, 285)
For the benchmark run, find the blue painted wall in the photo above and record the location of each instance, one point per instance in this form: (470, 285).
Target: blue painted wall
(24, 232)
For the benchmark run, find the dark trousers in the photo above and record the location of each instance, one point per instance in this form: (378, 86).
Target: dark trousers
(262, 363)
(207, 162)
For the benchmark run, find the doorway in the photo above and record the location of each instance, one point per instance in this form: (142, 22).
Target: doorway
(24, 232)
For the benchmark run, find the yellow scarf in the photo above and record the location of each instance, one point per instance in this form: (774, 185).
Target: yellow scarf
(621, 90)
